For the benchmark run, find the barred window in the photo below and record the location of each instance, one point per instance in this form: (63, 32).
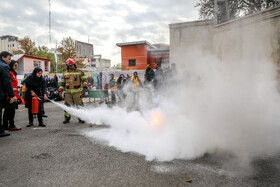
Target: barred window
(132, 62)
(37, 64)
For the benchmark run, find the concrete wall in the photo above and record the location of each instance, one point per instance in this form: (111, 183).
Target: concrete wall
(251, 37)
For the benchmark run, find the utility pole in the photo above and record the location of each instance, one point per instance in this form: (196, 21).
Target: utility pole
(55, 55)
(50, 38)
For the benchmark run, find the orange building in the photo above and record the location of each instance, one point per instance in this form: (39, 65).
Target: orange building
(136, 55)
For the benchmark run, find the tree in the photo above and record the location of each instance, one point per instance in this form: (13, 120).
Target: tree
(118, 66)
(237, 8)
(26, 46)
(68, 50)
(43, 51)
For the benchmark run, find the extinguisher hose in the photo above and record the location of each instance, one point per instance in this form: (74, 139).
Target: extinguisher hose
(37, 97)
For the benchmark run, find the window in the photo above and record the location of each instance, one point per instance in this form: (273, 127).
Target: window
(132, 62)
(37, 64)
(46, 66)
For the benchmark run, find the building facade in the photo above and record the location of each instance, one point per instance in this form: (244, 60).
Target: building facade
(83, 49)
(27, 63)
(8, 43)
(100, 62)
(136, 55)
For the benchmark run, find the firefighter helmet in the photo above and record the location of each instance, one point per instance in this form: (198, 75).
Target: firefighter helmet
(70, 62)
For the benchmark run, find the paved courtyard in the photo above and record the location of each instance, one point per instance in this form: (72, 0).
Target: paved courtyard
(59, 155)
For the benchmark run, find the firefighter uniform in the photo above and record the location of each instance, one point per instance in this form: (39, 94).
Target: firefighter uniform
(72, 81)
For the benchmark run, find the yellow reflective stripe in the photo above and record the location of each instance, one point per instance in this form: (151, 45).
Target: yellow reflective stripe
(61, 87)
(84, 77)
(66, 114)
(74, 90)
(72, 73)
(85, 83)
(62, 80)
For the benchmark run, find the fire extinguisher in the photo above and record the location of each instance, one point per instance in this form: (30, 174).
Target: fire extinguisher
(35, 105)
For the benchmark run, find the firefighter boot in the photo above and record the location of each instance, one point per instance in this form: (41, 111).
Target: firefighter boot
(81, 121)
(67, 120)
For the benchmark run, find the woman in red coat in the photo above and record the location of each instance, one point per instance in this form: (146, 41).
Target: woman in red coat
(10, 108)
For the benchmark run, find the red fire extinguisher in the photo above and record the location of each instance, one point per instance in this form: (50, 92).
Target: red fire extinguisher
(35, 105)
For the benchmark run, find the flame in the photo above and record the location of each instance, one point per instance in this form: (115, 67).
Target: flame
(156, 118)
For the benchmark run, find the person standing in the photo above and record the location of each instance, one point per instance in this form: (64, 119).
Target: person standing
(47, 84)
(149, 75)
(136, 84)
(113, 87)
(90, 82)
(55, 81)
(10, 108)
(35, 87)
(72, 81)
(6, 88)
(158, 77)
(23, 88)
(98, 82)
(120, 84)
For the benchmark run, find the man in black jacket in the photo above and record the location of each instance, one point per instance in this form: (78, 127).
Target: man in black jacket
(149, 75)
(6, 88)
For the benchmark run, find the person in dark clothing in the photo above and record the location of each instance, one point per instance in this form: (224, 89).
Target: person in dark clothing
(6, 88)
(149, 75)
(10, 108)
(98, 86)
(90, 82)
(35, 86)
(158, 77)
(55, 81)
(113, 87)
(120, 85)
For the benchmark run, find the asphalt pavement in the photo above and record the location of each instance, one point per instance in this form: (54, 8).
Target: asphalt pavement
(59, 155)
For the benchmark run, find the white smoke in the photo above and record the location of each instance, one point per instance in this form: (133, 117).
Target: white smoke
(215, 105)
(233, 109)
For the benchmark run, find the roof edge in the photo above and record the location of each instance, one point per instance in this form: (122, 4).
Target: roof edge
(136, 43)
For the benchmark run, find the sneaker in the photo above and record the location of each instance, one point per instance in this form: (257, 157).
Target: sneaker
(42, 125)
(14, 128)
(2, 134)
(66, 121)
(44, 116)
(29, 125)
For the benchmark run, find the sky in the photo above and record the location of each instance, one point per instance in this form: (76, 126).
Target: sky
(101, 23)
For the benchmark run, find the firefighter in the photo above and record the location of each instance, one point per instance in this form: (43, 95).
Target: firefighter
(72, 81)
